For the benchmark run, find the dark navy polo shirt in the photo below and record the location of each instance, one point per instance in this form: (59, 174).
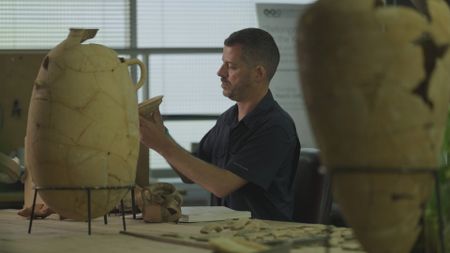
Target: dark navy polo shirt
(262, 148)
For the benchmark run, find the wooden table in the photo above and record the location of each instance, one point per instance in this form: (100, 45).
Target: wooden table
(66, 236)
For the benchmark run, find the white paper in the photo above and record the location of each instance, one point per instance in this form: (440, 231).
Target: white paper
(280, 20)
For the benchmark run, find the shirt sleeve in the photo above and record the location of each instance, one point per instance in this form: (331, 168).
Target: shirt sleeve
(262, 156)
(203, 148)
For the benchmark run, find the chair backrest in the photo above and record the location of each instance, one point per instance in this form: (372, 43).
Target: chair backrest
(312, 190)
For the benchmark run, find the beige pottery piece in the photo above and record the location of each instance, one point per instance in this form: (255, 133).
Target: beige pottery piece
(82, 128)
(376, 85)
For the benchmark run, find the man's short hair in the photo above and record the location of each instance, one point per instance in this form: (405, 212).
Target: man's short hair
(258, 47)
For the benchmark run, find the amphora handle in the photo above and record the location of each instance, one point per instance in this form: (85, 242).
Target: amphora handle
(143, 76)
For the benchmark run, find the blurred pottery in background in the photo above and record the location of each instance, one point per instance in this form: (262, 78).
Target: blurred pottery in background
(376, 86)
(82, 128)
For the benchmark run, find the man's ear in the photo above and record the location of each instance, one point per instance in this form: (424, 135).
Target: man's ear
(260, 73)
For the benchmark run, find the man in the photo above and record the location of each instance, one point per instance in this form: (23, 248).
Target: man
(249, 158)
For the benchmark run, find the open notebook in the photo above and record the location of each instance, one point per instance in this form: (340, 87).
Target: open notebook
(210, 213)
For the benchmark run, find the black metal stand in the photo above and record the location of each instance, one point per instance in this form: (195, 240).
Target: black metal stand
(88, 192)
(435, 173)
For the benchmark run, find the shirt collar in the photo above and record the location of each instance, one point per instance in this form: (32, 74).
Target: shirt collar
(256, 115)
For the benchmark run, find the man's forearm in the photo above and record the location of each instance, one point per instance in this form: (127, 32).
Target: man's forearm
(183, 177)
(218, 181)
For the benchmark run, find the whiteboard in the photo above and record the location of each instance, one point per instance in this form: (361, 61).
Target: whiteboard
(280, 20)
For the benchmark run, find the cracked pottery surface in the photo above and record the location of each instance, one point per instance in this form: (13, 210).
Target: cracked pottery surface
(376, 85)
(82, 126)
(368, 63)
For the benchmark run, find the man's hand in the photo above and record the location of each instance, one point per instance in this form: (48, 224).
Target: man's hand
(153, 134)
(218, 181)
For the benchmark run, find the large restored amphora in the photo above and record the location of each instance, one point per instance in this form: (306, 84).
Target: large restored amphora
(82, 129)
(376, 81)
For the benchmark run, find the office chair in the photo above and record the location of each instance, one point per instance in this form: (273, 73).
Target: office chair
(313, 200)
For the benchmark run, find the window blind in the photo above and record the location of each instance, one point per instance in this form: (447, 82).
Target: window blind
(199, 23)
(188, 82)
(28, 24)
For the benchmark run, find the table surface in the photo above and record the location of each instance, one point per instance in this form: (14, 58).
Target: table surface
(54, 235)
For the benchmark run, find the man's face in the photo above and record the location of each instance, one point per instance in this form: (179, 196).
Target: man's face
(235, 74)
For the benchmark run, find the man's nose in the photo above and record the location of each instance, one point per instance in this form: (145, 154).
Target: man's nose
(221, 71)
